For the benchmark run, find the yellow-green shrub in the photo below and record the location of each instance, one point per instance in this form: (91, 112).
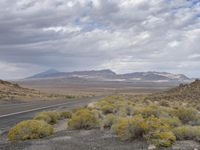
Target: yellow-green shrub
(124, 109)
(110, 104)
(187, 133)
(65, 114)
(108, 121)
(186, 115)
(108, 108)
(147, 111)
(171, 121)
(30, 129)
(78, 109)
(98, 114)
(156, 124)
(50, 117)
(164, 103)
(161, 139)
(43, 117)
(83, 119)
(130, 128)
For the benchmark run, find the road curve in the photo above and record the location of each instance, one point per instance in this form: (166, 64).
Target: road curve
(14, 113)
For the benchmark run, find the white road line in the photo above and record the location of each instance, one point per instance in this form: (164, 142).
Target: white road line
(31, 110)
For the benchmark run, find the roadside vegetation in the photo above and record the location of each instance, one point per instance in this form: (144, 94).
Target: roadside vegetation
(30, 129)
(159, 122)
(159, 125)
(129, 120)
(40, 126)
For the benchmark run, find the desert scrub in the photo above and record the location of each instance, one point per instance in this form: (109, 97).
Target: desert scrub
(79, 108)
(186, 115)
(149, 110)
(108, 121)
(171, 121)
(130, 128)
(66, 114)
(161, 139)
(98, 114)
(187, 133)
(110, 104)
(124, 109)
(30, 129)
(83, 119)
(50, 117)
(164, 103)
(92, 105)
(108, 108)
(156, 124)
(159, 131)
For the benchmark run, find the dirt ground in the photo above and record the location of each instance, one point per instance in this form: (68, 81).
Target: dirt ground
(88, 140)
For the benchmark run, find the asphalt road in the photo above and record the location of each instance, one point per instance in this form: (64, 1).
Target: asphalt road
(10, 114)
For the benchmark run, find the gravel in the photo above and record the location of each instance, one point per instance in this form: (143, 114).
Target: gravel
(88, 140)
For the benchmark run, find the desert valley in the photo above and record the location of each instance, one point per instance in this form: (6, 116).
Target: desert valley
(142, 110)
(99, 75)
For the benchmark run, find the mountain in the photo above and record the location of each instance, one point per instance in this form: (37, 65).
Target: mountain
(12, 91)
(78, 74)
(109, 75)
(48, 73)
(156, 76)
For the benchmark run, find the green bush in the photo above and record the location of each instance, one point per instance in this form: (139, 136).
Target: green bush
(43, 117)
(164, 103)
(161, 139)
(30, 129)
(147, 111)
(171, 121)
(108, 108)
(83, 119)
(156, 124)
(186, 115)
(130, 128)
(159, 131)
(98, 114)
(108, 121)
(124, 110)
(187, 133)
(66, 114)
(50, 117)
(110, 104)
(78, 108)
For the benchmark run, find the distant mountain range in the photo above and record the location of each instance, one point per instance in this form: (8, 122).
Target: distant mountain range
(109, 75)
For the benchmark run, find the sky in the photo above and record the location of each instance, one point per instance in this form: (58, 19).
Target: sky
(122, 35)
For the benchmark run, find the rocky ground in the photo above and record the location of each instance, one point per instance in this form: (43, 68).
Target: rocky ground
(86, 140)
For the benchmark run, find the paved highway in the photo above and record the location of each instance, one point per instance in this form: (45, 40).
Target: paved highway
(10, 114)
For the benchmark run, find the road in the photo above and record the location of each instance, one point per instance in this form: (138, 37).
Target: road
(10, 114)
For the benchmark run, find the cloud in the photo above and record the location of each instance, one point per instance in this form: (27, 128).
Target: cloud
(123, 35)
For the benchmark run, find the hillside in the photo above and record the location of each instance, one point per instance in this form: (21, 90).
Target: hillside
(12, 91)
(185, 93)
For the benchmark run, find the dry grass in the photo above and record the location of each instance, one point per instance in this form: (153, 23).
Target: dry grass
(13, 91)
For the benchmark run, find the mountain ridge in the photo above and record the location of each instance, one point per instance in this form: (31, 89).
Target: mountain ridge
(109, 75)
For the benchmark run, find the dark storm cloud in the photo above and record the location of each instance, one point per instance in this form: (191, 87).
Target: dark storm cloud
(123, 35)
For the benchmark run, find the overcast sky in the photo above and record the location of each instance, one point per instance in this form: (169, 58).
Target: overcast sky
(122, 35)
